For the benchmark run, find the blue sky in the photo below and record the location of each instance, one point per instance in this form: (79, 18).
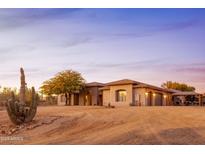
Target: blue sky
(148, 45)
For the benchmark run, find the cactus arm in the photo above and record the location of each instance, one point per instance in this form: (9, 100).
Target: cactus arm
(33, 107)
(11, 107)
(11, 113)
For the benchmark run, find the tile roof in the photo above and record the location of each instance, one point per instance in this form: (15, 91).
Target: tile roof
(185, 93)
(144, 85)
(122, 82)
(95, 84)
(135, 84)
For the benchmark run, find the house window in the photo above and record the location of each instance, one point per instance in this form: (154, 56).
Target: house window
(121, 95)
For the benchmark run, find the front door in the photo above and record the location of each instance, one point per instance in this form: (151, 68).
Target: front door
(76, 99)
(100, 100)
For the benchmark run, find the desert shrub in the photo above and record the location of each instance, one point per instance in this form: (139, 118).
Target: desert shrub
(5, 94)
(110, 106)
(48, 100)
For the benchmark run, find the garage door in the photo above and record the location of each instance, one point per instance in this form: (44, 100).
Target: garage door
(158, 100)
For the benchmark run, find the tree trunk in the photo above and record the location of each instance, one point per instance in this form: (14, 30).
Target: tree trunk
(69, 99)
(66, 99)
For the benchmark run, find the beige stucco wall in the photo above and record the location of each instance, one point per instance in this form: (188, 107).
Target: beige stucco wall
(106, 97)
(109, 96)
(166, 97)
(139, 96)
(134, 95)
(94, 94)
(61, 102)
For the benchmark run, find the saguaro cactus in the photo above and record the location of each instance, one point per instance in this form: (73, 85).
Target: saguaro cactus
(17, 110)
(23, 87)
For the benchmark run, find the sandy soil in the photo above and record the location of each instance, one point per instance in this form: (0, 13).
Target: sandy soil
(99, 125)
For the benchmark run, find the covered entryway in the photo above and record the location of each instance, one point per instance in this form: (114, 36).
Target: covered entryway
(76, 99)
(100, 100)
(88, 99)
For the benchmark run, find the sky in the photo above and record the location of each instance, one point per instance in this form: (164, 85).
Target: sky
(147, 45)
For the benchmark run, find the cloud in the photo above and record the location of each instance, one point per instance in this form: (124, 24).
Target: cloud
(200, 70)
(13, 74)
(128, 66)
(15, 18)
(190, 72)
(179, 25)
(194, 67)
(15, 48)
(150, 30)
(76, 41)
(12, 53)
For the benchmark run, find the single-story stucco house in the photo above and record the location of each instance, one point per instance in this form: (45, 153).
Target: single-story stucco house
(124, 93)
(90, 96)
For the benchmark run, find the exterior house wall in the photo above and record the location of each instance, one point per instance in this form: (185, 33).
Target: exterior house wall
(151, 97)
(106, 97)
(81, 99)
(61, 100)
(93, 98)
(203, 100)
(94, 95)
(129, 95)
(139, 97)
(159, 97)
(169, 100)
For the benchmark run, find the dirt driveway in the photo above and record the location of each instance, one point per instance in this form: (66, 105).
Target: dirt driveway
(99, 125)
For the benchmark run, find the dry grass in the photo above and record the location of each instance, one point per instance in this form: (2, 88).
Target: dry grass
(98, 125)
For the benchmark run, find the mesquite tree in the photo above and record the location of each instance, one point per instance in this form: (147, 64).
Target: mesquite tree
(66, 82)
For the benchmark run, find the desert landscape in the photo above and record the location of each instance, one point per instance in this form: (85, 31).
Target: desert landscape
(100, 125)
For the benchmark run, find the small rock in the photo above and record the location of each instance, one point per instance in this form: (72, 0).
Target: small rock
(9, 133)
(13, 130)
(3, 132)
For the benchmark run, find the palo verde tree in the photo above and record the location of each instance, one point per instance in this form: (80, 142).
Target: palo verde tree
(177, 86)
(66, 82)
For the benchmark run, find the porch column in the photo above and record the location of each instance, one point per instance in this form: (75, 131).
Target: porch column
(153, 99)
(183, 99)
(164, 97)
(200, 100)
(72, 100)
